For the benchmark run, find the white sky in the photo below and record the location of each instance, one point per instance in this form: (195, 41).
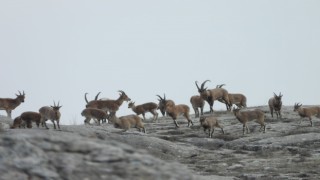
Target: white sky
(58, 50)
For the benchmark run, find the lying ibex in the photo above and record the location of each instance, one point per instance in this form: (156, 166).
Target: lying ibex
(96, 114)
(27, 118)
(144, 108)
(51, 113)
(210, 123)
(127, 122)
(197, 102)
(111, 106)
(245, 116)
(306, 112)
(213, 94)
(175, 110)
(275, 104)
(9, 104)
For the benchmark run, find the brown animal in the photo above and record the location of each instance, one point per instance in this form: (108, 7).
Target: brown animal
(306, 112)
(161, 105)
(111, 106)
(213, 94)
(144, 108)
(127, 122)
(9, 104)
(27, 118)
(245, 116)
(175, 110)
(239, 100)
(51, 113)
(197, 102)
(275, 103)
(93, 113)
(210, 123)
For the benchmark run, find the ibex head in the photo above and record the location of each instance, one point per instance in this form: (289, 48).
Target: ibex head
(124, 96)
(56, 107)
(296, 106)
(21, 96)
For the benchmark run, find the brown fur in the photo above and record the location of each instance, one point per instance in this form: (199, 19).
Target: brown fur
(175, 110)
(197, 102)
(9, 104)
(212, 95)
(239, 100)
(245, 116)
(275, 103)
(144, 108)
(210, 123)
(96, 114)
(51, 113)
(127, 122)
(27, 118)
(307, 112)
(111, 106)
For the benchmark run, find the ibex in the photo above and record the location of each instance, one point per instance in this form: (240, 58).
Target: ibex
(245, 116)
(161, 106)
(175, 110)
(111, 106)
(275, 104)
(213, 94)
(9, 104)
(210, 123)
(127, 122)
(93, 113)
(144, 108)
(51, 113)
(197, 102)
(306, 112)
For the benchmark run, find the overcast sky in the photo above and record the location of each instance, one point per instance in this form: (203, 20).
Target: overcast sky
(58, 50)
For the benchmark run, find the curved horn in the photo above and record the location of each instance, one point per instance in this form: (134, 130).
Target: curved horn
(54, 103)
(220, 85)
(97, 96)
(85, 98)
(196, 82)
(275, 94)
(19, 93)
(164, 96)
(202, 85)
(121, 91)
(160, 97)
(23, 93)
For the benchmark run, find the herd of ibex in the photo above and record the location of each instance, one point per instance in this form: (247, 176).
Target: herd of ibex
(103, 110)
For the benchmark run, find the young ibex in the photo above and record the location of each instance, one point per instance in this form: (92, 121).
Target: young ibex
(127, 122)
(245, 116)
(210, 123)
(197, 102)
(9, 104)
(17, 122)
(111, 106)
(144, 108)
(306, 112)
(51, 113)
(275, 104)
(27, 118)
(213, 94)
(96, 114)
(175, 110)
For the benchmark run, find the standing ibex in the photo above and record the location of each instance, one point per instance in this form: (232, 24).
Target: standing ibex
(213, 94)
(96, 114)
(111, 106)
(9, 104)
(144, 108)
(245, 116)
(175, 110)
(197, 102)
(161, 106)
(51, 113)
(307, 112)
(275, 104)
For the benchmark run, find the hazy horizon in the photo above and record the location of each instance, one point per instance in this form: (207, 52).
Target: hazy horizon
(59, 50)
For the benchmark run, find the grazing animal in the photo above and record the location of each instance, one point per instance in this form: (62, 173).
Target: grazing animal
(275, 103)
(17, 122)
(210, 123)
(197, 102)
(127, 122)
(93, 113)
(239, 100)
(245, 116)
(26, 118)
(111, 106)
(52, 113)
(175, 110)
(144, 108)
(306, 112)
(9, 104)
(213, 94)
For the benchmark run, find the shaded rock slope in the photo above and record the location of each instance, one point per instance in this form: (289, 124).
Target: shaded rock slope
(288, 150)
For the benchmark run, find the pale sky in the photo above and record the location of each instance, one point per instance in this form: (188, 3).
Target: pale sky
(60, 49)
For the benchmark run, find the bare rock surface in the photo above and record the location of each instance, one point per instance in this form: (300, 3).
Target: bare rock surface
(288, 150)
